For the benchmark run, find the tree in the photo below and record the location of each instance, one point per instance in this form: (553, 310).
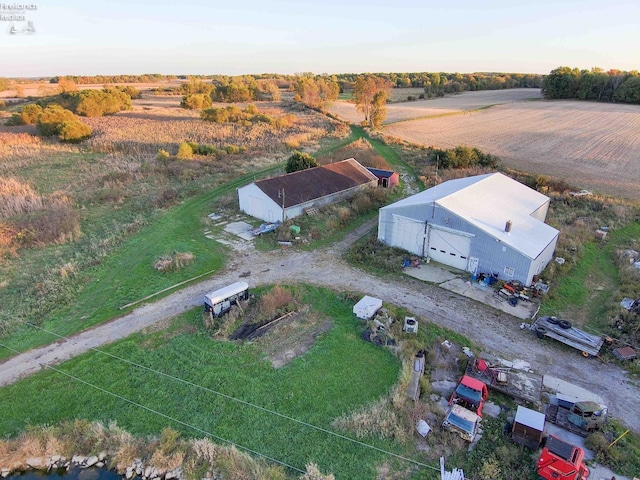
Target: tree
(300, 161)
(316, 92)
(378, 108)
(66, 85)
(364, 90)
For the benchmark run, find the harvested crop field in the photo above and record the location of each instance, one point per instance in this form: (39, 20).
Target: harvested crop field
(438, 106)
(594, 146)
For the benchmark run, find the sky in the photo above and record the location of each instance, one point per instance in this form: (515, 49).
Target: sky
(85, 37)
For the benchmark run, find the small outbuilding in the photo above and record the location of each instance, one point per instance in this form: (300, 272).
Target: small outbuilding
(528, 427)
(386, 178)
(481, 224)
(288, 196)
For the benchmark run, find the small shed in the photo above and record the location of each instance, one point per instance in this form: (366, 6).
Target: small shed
(528, 427)
(367, 307)
(386, 178)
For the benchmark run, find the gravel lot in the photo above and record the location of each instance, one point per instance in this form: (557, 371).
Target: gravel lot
(497, 332)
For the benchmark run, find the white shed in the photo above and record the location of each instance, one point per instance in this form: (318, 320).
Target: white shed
(287, 196)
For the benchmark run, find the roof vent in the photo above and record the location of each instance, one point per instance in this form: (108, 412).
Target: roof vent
(507, 227)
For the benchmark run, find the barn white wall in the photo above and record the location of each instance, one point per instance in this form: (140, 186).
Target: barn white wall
(254, 202)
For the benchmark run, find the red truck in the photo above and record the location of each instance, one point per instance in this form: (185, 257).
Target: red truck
(465, 407)
(560, 460)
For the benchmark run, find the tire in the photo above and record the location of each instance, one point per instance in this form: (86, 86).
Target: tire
(564, 324)
(553, 320)
(540, 331)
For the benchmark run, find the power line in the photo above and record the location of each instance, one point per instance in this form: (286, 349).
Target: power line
(229, 397)
(163, 415)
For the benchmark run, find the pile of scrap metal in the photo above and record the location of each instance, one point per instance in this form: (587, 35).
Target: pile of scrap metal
(631, 305)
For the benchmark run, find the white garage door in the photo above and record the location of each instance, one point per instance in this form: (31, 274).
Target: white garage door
(448, 247)
(408, 234)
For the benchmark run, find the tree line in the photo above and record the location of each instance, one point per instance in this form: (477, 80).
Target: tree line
(595, 84)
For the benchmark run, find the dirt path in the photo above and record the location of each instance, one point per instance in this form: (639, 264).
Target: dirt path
(498, 333)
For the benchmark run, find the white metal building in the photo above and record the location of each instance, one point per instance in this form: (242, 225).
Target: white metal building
(486, 223)
(287, 196)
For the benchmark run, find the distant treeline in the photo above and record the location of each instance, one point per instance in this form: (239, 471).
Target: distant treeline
(594, 84)
(104, 79)
(441, 82)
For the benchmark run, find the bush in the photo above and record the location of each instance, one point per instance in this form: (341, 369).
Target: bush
(74, 131)
(15, 120)
(163, 155)
(51, 118)
(196, 101)
(251, 109)
(185, 151)
(234, 149)
(216, 115)
(30, 113)
(96, 103)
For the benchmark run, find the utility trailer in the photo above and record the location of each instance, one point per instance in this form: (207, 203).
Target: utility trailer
(516, 383)
(563, 331)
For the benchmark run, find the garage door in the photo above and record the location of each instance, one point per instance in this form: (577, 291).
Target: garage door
(408, 234)
(448, 247)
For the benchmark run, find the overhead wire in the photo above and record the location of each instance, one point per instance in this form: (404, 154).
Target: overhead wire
(163, 415)
(223, 395)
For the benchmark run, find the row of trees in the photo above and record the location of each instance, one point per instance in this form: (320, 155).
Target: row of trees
(594, 84)
(105, 79)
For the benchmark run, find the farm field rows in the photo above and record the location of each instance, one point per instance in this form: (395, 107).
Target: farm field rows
(438, 106)
(591, 145)
(594, 146)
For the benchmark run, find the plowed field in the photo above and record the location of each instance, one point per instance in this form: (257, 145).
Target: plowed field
(594, 146)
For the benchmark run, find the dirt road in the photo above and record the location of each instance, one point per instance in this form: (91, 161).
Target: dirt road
(498, 333)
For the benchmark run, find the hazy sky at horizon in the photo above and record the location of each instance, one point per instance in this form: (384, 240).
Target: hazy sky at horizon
(75, 37)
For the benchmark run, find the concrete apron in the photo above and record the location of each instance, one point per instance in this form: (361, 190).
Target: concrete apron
(461, 284)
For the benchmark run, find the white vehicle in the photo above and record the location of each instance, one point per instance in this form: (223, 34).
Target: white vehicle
(219, 301)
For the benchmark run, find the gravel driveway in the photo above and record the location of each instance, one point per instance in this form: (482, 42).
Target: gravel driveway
(498, 333)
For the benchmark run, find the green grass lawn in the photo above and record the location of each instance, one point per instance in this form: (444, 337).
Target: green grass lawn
(338, 374)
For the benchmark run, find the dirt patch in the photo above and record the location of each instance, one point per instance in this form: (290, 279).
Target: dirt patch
(292, 337)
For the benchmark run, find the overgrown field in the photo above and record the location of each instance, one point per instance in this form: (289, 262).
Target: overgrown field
(131, 210)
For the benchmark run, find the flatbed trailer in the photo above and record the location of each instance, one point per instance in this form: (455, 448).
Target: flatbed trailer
(515, 383)
(564, 332)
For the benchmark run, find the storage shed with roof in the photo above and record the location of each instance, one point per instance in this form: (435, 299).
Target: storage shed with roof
(288, 196)
(482, 224)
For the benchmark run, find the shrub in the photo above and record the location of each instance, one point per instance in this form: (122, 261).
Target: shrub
(216, 115)
(74, 132)
(15, 120)
(30, 113)
(163, 155)
(185, 151)
(276, 301)
(251, 109)
(3, 104)
(234, 149)
(50, 119)
(196, 101)
(96, 103)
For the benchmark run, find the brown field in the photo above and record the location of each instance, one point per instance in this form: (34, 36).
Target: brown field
(590, 145)
(438, 106)
(40, 89)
